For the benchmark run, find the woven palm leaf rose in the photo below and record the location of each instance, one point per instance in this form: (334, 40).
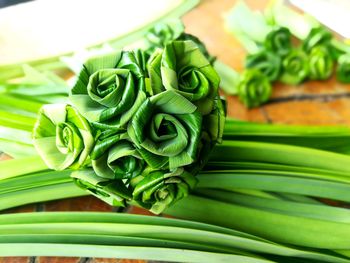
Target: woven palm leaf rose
(140, 125)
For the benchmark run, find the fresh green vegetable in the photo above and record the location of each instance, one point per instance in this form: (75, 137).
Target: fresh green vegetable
(16, 120)
(16, 167)
(200, 44)
(245, 158)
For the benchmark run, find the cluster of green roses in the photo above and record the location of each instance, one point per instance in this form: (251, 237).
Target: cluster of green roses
(141, 126)
(279, 60)
(283, 46)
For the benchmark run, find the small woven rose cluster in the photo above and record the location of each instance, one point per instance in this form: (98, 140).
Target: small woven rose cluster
(140, 125)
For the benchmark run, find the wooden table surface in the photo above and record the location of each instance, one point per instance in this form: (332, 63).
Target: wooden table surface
(321, 103)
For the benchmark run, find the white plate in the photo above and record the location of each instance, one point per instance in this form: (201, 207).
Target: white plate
(335, 14)
(46, 28)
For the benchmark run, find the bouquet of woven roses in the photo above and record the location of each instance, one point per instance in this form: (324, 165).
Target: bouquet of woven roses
(140, 125)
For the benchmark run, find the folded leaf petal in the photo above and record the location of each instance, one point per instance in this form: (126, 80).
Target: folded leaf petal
(62, 137)
(167, 126)
(110, 88)
(343, 68)
(113, 192)
(279, 41)
(295, 67)
(186, 70)
(267, 62)
(320, 63)
(159, 189)
(254, 88)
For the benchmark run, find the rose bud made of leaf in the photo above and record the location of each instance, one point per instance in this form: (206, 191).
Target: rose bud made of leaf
(110, 88)
(321, 63)
(166, 130)
(159, 189)
(343, 68)
(214, 122)
(152, 152)
(266, 62)
(279, 41)
(199, 43)
(113, 192)
(295, 67)
(163, 33)
(183, 68)
(254, 88)
(63, 137)
(318, 36)
(120, 161)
